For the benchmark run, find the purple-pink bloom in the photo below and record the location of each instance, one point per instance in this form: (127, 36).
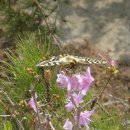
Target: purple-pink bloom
(85, 81)
(68, 125)
(73, 85)
(70, 83)
(76, 83)
(84, 118)
(32, 103)
(89, 76)
(69, 106)
(62, 80)
(77, 99)
(112, 62)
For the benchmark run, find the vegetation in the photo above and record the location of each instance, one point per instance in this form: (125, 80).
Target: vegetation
(30, 97)
(20, 72)
(28, 16)
(20, 75)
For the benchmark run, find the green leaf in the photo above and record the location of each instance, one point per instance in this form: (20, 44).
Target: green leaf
(8, 126)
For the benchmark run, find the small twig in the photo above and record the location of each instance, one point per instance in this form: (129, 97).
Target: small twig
(110, 103)
(126, 120)
(51, 125)
(77, 111)
(11, 102)
(47, 86)
(48, 123)
(59, 118)
(20, 124)
(5, 115)
(91, 101)
(52, 35)
(103, 109)
(76, 127)
(52, 10)
(118, 99)
(105, 86)
(55, 21)
(94, 100)
(13, 106)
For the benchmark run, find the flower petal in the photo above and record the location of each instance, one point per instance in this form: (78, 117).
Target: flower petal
(78, 98)
(68, 125)
(62, 80)
(85, 117)
(69, 106)
(32, 104)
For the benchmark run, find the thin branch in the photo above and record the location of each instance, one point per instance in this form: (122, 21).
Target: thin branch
(126, 119)
(13, 107)
(51, 125)
(20, 124)
(11, 102)
(55, 38)
(89, 102)
(94, 100)
(105, 86)
(47, 86)
(5, 115)
(118, 99)
(103, 109)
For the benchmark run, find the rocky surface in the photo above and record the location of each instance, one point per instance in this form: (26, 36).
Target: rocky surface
(105, 23)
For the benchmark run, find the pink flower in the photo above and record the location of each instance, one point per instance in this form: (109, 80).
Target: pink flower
(112, 63)
(32, 103)
(62, 80)
(73, 85)
(85, 81)
(77, 99)
(70, 83)
(76, 83)
(84, 118)
(89, 76)
(77, 86)
(68, 125)
(69, 106)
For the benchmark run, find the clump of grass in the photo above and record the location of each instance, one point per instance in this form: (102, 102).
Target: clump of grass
(107, 122)
(15, 76)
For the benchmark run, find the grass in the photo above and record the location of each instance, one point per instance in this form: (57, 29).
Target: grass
(27, 56)
(16, 80)
(15, 72)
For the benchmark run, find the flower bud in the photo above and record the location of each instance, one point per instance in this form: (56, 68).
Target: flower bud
(47, 75)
